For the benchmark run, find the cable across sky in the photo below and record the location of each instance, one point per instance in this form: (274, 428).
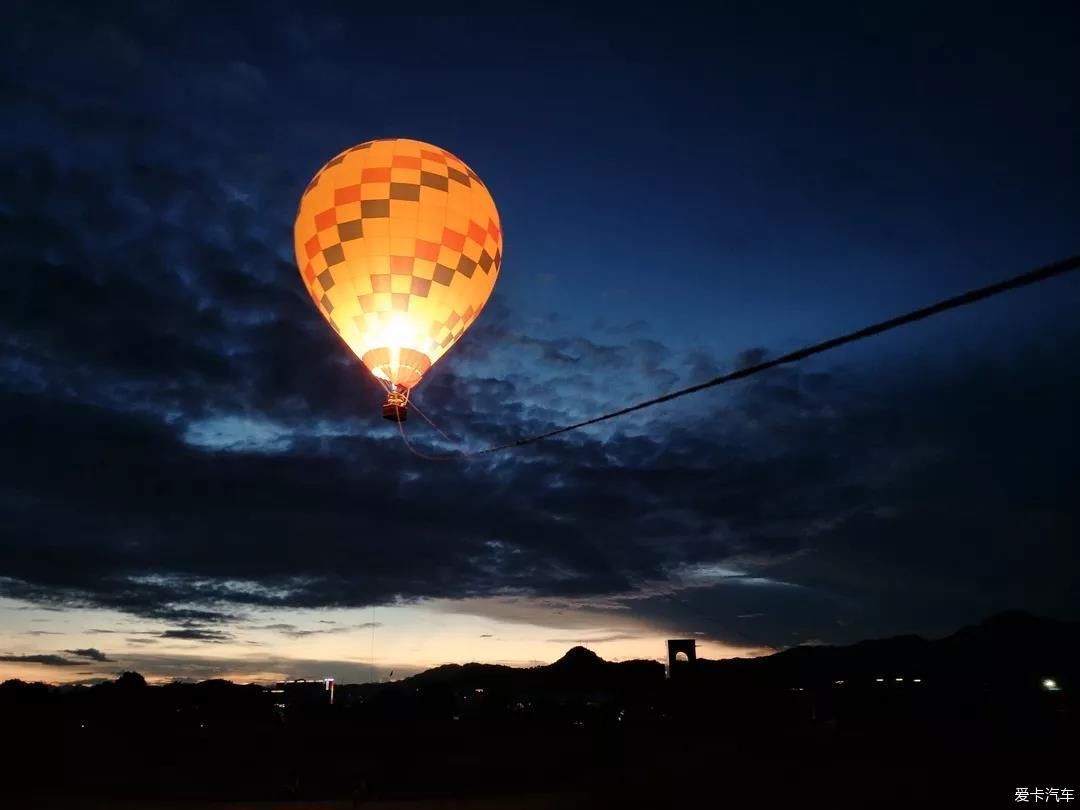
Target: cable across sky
(1027, 279)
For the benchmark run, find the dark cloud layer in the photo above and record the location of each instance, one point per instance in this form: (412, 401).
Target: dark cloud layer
(92, 653)
(186, 441)
(44, 660)
(197, 634)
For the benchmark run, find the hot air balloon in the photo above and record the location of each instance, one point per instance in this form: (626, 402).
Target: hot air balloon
(399, 245)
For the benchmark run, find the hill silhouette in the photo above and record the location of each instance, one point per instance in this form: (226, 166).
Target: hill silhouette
(579, 668)
(1012, 646)
(579, 658)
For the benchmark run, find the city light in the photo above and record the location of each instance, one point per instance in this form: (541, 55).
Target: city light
(1050, 685)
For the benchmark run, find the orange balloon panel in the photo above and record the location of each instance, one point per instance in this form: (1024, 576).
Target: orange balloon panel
(399, 245)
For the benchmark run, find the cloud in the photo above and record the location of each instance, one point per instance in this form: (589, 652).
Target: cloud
(293, 631)
(197, 634)
(91, 653)
(44, 660)
(760, 489)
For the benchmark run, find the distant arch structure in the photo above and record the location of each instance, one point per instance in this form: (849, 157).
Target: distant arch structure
(681, 657)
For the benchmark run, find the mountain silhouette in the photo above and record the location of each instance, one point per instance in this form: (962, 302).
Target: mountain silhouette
(579, 668)
(1008, 646)
(579, 658)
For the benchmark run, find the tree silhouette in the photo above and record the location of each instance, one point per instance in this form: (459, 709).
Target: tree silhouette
(131, 680)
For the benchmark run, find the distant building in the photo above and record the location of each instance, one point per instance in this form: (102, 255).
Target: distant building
(681, 656)
(303, 691)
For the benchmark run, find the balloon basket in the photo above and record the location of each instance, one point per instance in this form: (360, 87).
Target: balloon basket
(396, 407)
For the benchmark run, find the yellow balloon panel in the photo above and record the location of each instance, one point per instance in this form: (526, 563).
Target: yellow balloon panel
(399, 244)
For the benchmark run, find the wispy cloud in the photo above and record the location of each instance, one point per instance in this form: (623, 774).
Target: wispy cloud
(197, 634)
(293, 631)
(90, 652)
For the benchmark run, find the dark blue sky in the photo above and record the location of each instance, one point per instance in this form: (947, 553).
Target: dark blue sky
(678, 193)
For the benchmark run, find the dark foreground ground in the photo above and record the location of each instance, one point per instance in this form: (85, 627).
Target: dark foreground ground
(819, 768)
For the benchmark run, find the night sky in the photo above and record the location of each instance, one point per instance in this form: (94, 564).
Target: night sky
(196, 480)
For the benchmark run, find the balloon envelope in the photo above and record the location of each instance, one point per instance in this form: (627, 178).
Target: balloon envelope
(399, 245)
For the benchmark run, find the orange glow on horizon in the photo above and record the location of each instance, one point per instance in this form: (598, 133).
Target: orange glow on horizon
(343, 643)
